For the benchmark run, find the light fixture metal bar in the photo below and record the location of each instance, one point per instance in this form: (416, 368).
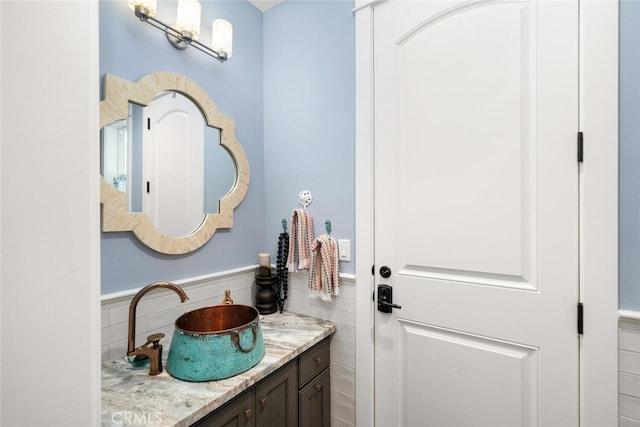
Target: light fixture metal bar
(175, 37)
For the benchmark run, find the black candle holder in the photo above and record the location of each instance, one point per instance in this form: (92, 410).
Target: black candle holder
(266, 302)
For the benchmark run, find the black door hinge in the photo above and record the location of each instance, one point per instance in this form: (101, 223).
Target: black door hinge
(580, 318)
(580, 147)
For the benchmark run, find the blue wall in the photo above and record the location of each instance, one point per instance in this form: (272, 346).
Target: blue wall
(309, 125)
(295, 117)
(629, 239)
(304, 91)
(131, 49)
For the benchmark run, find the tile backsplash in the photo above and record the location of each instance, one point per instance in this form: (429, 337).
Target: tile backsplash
(158, 310)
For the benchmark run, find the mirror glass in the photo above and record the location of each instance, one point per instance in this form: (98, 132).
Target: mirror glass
(168, 162)
(172, 169)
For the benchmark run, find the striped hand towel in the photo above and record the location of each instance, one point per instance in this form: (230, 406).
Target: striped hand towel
(300, 239)
(323, 273)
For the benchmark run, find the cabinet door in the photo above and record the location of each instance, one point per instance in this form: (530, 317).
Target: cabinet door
(237, 413)
(277, 398)
(313, 401)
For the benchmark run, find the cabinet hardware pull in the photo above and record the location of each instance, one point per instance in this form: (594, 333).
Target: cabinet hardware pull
(247, 413)
(263, 402)
(317, 359)
(318, 387)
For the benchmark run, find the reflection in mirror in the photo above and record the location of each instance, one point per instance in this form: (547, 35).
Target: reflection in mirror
(172, 176)
(114, 154)
(174, 168)
(219, 172)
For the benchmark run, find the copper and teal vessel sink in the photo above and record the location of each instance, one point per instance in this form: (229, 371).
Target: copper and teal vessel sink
(216, 342)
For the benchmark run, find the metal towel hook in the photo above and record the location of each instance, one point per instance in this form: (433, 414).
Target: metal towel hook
(305, 198)
(327, 226)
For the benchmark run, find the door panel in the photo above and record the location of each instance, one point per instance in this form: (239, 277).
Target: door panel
(464, 94)
(476, 212)
(460, 390)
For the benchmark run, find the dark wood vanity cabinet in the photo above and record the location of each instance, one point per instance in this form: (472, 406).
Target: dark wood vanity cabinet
(295, 395)
(314, 387)
(271, 402)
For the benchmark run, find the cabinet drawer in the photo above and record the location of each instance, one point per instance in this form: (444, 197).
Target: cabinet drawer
(313, 361)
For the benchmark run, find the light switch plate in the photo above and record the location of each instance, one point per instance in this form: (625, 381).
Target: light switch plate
(344, 249)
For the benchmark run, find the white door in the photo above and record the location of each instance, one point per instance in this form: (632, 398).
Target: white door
(476, 212)
(173, 182)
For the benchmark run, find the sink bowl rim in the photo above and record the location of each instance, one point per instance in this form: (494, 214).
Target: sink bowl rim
(255, 320)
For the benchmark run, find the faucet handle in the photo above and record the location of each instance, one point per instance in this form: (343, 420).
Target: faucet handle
(227, 297)
(154, 339)
(154, 353)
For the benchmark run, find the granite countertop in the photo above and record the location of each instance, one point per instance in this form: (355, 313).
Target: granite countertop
(130, 397)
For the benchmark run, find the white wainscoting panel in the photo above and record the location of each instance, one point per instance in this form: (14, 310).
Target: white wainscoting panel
(158, 310)
(629, 369)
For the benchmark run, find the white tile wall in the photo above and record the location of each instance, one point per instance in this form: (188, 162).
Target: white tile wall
(629, 370)
(342, 310)
(157, 311)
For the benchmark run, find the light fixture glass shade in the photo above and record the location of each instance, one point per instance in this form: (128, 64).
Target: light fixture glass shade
(149, 5)
(222, 36)
(189, 18)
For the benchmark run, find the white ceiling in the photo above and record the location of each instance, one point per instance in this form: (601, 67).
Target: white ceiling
(264, 5)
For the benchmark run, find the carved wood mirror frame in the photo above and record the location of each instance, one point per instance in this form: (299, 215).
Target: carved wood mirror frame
(115, 212)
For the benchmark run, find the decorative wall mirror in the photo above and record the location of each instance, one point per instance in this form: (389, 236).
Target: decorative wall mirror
(172, 168)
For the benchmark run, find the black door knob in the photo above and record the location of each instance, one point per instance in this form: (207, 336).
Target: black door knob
(385, 299)
(385, 271)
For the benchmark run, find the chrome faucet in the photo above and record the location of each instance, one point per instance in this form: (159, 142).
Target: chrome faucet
(151, 349)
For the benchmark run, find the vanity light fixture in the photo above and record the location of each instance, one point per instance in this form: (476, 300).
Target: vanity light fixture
(222, 36)
(186, 32)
